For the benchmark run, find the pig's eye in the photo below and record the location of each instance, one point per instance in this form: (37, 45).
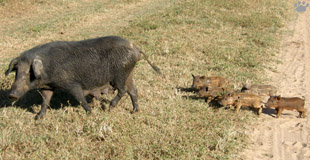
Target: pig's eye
(32, 76)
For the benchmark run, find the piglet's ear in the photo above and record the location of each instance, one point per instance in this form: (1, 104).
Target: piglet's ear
(11, 66)
(37, 67)
(193, 75)
(278, 97)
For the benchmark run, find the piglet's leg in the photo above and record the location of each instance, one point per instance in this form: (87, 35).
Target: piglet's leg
(209, 99)
(279, 112)
(276, 110)
(259, 111)
(238, 106)
(47, 96)
(302, 114)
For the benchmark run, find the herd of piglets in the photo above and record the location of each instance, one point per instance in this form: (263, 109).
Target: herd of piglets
(218, 89)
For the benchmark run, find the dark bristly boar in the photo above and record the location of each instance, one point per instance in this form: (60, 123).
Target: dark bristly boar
(79, 67)
(288, 103)
(243, 99)
(261, 90)
(208, 82)
(211, 94)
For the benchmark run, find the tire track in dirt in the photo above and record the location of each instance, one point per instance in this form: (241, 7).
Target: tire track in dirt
(286, 138)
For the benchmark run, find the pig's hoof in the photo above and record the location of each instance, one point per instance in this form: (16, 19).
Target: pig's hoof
(38, 116)
(111, 108)
(134, 111)
(103, 107)
(88, 112)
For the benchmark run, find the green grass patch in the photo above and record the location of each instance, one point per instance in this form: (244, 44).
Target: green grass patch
(236, 39)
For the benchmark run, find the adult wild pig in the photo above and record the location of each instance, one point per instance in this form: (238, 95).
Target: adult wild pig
(289, 103)
(243, 99)
(79, 67)
(208, 82)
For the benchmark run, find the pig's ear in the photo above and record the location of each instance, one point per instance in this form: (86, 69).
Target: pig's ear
(37, 68)
(193, 75)
(278, 98)
(11, 66)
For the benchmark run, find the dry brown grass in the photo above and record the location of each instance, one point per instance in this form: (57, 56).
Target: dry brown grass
(234, 39)
(31, 22)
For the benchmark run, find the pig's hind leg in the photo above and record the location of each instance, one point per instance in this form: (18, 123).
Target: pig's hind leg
(302, 114)
(133, 93)
(121, 90)
(123, 86)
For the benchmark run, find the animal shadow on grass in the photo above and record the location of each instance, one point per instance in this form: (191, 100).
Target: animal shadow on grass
(26, 102)
(182, 89)
(33, 97)
(213, 103)
(191, 90)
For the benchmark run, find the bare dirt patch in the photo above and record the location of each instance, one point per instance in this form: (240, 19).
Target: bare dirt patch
(287, 138)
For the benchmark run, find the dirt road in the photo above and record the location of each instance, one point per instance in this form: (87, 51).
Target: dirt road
(287, 138)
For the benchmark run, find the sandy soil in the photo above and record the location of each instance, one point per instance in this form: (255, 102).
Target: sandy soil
(287, 138)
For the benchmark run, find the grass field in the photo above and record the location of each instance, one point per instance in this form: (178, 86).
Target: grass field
(236, 39)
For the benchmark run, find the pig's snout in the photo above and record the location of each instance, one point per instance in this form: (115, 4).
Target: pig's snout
(221, 103)
(13, 96)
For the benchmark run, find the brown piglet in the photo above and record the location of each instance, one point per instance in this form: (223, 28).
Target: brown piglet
(260, 89)
(200, 82)
(288, 103)
(243, 99)
(211, 94)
